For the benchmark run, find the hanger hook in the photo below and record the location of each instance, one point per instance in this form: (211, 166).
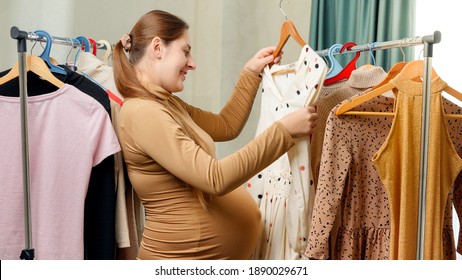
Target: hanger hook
(420, 54)
(401, 48)
(71, 48)
(41, 45)
(33, 46)
(280, 8)
(371, 46)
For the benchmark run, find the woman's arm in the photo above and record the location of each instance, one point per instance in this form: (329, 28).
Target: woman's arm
(148, 130)
(229, 123)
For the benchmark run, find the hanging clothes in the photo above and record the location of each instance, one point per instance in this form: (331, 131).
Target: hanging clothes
(99, 221)
(69, 133)
(398, 163)
(350, 184)
(100, 202)
(95, 68)
(331, 88)
(126, 233)
(284, 190)
(361, 80)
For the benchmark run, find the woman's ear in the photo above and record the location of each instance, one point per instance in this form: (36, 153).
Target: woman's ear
(157, 46)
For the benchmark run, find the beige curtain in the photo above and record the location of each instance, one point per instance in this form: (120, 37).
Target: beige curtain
(224, 35)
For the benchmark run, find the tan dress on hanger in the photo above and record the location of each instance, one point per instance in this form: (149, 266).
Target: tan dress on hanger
(398, 164)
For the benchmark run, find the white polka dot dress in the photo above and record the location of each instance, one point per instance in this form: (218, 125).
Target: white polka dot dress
(284, 190)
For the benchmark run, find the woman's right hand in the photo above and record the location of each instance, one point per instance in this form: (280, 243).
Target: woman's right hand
(262, 58)
(300, 123)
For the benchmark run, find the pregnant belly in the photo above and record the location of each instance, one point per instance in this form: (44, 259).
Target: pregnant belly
(228, 229)
(238, 218)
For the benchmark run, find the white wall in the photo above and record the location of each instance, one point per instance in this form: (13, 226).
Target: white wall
(54, 16)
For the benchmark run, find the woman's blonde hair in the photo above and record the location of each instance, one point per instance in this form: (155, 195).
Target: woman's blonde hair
(168, 27)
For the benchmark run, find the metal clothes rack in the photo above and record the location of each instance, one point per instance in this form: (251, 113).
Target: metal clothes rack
(22, 36)
(428, 42)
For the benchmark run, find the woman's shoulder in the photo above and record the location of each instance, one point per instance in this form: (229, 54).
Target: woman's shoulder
(142, 106)
(138, 103)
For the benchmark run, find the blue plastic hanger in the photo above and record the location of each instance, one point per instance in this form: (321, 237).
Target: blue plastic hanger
(334, 65)
(85, 42)
(86, 46)
(46, 53)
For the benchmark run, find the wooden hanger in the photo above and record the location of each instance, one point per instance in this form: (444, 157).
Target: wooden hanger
(345, 108)
(412, 71)
(37, 66)
(288, 29)
(284, 71)
(415, 69)
(394, 70)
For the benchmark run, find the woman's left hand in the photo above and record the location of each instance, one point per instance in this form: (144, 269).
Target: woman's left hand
(262, 58)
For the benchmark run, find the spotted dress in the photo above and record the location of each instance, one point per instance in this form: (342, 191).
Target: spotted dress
(455, 194)
(349, 182)
(284, 190)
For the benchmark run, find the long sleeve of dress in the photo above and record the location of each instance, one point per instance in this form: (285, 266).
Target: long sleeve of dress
(335, 161)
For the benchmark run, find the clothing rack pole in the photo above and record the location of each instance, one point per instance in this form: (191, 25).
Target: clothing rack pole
(405, 42)
(28, 253)
(31, 36)
(428, 42)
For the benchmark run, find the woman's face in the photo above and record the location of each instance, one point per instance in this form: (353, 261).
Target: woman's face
(176, 61)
